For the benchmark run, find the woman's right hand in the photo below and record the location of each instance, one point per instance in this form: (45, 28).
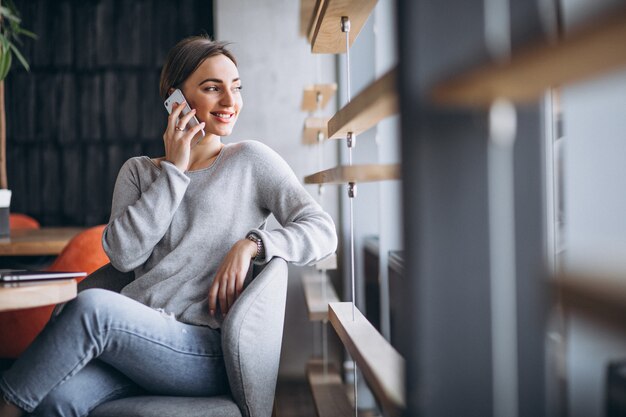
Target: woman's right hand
(177, 140)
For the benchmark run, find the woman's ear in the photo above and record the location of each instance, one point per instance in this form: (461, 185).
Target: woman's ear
(170, 91)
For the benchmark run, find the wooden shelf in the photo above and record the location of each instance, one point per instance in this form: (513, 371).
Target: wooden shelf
(376, 102)
(327, 264)
(312, 126)
(329, 394)
(381, 365)
(316, 302)
(355, 173)
(596, 294)
(327, 36)
(307, 8)
(309, 102)
(315, 14)
(590, 51)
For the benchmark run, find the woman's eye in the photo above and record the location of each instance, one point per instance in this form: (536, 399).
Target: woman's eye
(238, 88)
(211, 88)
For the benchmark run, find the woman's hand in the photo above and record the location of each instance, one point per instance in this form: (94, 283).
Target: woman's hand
(177, 141)
(230, 276)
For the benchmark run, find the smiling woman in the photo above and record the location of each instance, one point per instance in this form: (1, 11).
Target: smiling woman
(188, 225)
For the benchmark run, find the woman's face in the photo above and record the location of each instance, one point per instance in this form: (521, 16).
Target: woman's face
(214, 90)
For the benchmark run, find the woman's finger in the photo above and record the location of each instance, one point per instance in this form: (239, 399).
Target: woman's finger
(182, 122)
(223, 298)
(193, 131)
(172, 119)
(213, 296)
(230, 291)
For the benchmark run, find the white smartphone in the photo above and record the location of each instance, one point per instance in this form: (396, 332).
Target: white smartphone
(178, 97)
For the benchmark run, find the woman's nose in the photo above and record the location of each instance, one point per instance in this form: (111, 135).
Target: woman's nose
(228, 99)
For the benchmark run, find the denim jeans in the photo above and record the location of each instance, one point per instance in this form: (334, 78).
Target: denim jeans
(104, 346)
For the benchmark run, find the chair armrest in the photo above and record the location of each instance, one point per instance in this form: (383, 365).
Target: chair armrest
(251, 340)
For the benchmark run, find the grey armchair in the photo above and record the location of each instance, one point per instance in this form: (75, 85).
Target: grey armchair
(251, 341)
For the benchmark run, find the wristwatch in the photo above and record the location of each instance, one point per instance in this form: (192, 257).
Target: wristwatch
(260, 250)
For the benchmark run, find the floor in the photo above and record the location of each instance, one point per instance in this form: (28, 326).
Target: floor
(293, 399)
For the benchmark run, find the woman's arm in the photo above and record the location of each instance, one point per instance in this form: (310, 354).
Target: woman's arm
(139, 220)
(308, 233)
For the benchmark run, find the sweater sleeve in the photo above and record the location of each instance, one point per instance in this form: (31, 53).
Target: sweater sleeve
(139, 220)
(308, 233)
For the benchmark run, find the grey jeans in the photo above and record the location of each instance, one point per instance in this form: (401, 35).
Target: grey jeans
(104, 346)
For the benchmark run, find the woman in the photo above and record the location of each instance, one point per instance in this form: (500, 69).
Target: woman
(188, 224)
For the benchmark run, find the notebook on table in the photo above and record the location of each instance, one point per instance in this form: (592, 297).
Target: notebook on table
(21, 275)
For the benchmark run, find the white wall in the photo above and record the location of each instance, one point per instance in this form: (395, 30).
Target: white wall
(594, 115)
(275, 64)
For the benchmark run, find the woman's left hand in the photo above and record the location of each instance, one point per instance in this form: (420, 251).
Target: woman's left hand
(230, 276)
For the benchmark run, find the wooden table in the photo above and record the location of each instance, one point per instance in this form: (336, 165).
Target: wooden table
(34, 242)
(16, 296)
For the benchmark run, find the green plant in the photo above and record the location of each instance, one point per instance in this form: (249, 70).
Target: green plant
(10, 32)
(10, 36)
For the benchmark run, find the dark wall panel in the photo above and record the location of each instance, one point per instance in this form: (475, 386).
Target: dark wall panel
(91, 100)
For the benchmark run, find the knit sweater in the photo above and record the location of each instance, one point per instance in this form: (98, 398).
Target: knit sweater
(174, 228)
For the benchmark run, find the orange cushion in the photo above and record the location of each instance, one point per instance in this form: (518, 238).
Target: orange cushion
(22, 221)
(19, 328)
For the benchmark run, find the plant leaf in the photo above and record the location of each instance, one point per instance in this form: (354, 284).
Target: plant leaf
(20, 57)
(28, 33)
(5, 70)
(7, 13)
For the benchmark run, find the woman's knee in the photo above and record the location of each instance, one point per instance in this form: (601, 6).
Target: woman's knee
(94, 303)
(60, 403)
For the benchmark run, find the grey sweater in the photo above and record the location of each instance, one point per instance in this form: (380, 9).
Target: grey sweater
(173, 228)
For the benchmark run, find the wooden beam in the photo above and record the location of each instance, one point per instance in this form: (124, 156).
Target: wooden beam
(313, 126)
(329, 393)
(318, 293)
(376, 102)
(589, 51)
(317, 9)
(381, 365)
(307, 7)
(328, 37)
(601, 295)
(309, 96)
(355, 173)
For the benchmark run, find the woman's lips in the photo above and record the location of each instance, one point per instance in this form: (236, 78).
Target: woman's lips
(223, 117)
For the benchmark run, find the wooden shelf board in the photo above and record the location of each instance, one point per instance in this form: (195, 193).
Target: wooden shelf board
(381, 365)
(327, 36)
(312, 126)
(592, 50)
(315, 14)
(355, 173)
(307, 8)
(328, 263)
(373, 104)
(601, 295)
(316, 301)
(309, 102)
(329, 394)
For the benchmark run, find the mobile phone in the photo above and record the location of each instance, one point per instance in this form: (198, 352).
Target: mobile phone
(178, 97)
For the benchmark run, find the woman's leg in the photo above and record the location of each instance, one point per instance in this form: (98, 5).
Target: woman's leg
(93, 385)
(154, 350)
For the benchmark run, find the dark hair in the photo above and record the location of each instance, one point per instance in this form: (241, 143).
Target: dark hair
(187, 55)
